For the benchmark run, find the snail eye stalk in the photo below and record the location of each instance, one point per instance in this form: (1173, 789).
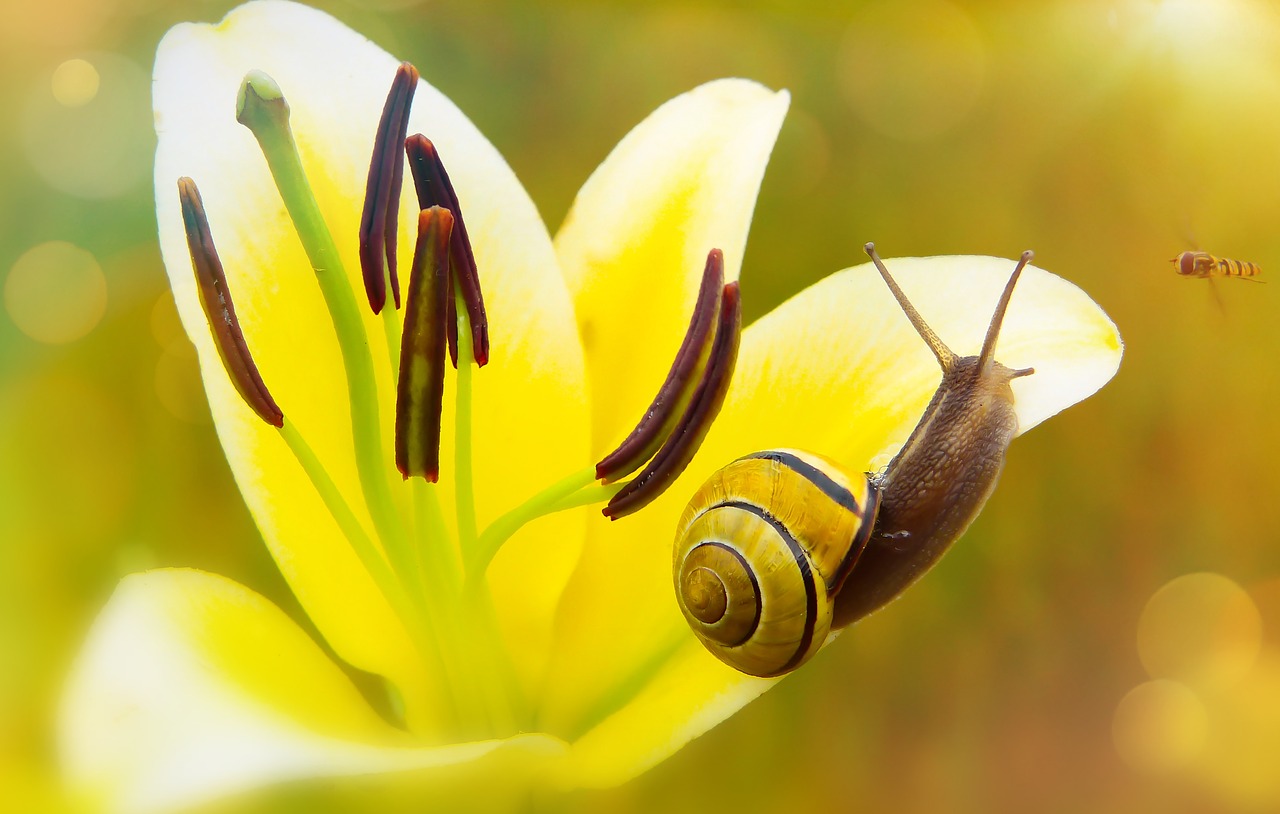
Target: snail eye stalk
(215, 298)
(946, 357)
(997, 319)
(380, 222)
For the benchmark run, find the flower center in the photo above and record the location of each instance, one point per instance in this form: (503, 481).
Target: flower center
(434, 583)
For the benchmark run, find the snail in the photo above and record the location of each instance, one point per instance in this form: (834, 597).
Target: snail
(781, 547)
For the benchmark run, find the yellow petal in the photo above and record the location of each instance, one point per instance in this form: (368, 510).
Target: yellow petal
(529, 401)
(633, 246)
(192, 688)
(690, 694)
(836, 370)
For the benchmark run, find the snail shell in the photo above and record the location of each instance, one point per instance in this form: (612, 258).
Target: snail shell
(761, 551)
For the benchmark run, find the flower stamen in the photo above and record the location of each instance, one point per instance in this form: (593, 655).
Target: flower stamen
(420, 392)
(675, 425)
(674, 395)
(379, 223)
(211, 281)
(215, 297)
(692, 429)
(435, 189)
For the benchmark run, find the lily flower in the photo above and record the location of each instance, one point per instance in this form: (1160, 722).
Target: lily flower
(431, 521)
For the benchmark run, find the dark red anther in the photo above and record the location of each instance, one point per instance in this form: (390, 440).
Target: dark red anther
(215, 297)
(677, 391)
(381, 218)
(684, 441)
(435, 189)
(420, 389)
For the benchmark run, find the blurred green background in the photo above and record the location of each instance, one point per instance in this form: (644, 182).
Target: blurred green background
(1108, 135)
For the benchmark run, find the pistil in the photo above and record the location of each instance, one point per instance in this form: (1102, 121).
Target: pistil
(262, 108)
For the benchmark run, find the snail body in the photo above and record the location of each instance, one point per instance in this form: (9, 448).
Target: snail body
(935, 486)
(781, 547)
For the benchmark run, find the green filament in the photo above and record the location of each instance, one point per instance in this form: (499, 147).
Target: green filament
(393, 329)
(545, 502)
(370, 557)
(465, 490)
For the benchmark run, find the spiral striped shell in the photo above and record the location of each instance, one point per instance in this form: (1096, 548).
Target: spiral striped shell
(761, 551)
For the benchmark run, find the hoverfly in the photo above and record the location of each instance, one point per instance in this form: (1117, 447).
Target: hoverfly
(1203, 264)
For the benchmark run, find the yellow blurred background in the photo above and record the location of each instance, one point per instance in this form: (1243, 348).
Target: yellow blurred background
(1107, 636)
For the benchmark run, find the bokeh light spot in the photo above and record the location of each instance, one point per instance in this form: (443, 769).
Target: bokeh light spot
(1159, 726)
(1187, 23)
(388, 5)
(178, 384)
(1201, 629)
(65, 23)
(912, 70)
(56, 293)
(68, 465)
(1242, 761)
(803, 153)
(75, 82)
(166, 325)
(703, 43)
(101, 148)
